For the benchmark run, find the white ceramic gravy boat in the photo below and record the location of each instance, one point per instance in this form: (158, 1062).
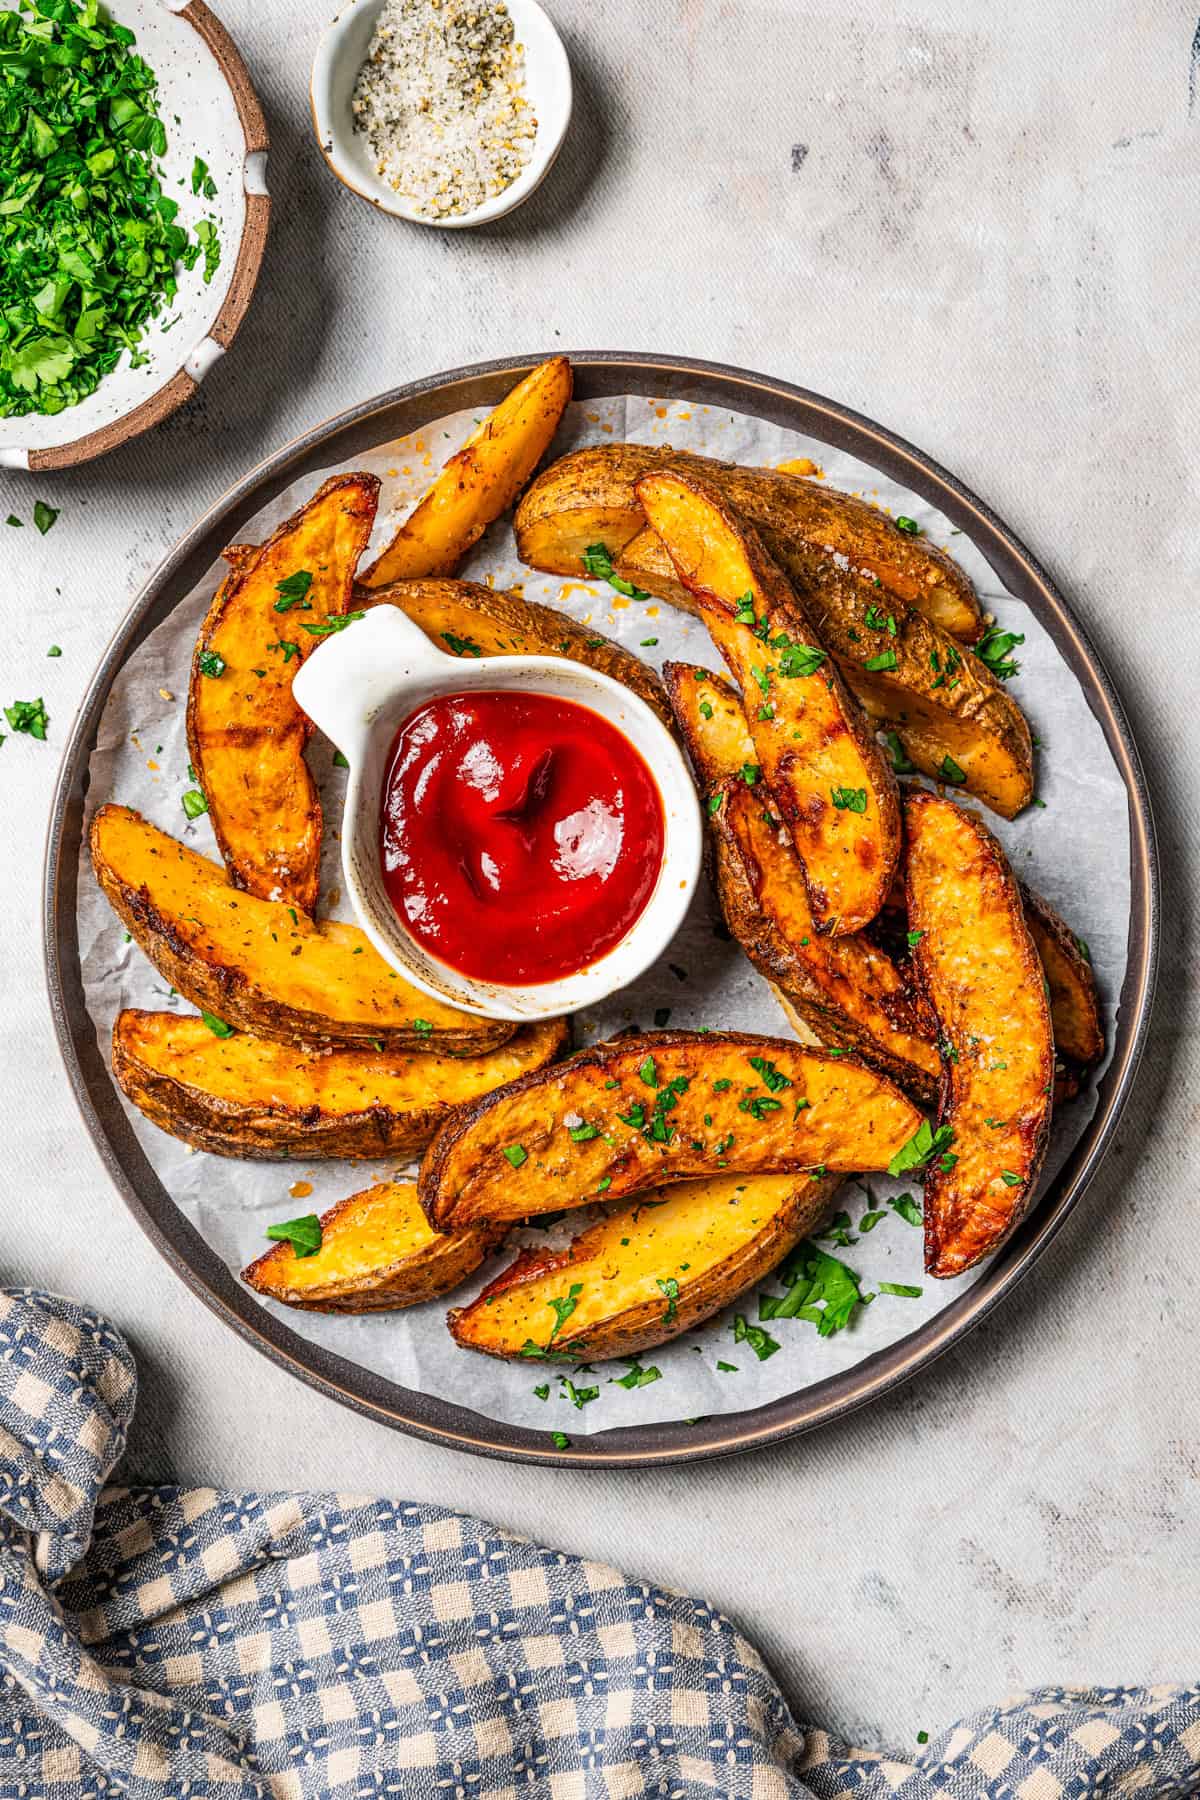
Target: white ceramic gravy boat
(362, 683)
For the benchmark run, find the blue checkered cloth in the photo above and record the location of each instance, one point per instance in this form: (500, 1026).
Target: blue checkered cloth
(181, 1644)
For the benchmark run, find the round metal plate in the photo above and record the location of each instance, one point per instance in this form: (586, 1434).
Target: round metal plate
(340, 439)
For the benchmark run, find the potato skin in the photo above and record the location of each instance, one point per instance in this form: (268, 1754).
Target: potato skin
(855, 1119)
(238, 968)
(1074, 999)
(480, 481)
(980, 972)
(248, 1097)
(353, 1271)
(712, 1270)
(246, 735)
(813, 743)
(954, 707)
(503, 624)
(595, 485)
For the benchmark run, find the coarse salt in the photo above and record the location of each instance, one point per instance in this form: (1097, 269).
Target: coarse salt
(441, 101)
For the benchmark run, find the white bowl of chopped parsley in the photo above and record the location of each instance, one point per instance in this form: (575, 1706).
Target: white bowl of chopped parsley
(443, 112)
(133, 213)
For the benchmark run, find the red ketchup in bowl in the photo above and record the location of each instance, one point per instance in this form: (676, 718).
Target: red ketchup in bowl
(521, 835)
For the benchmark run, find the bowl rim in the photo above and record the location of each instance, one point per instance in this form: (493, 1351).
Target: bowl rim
(499, 205)
(177, 388)
(449, 1424)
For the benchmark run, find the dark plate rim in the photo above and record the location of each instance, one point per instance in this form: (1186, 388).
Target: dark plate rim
(438, 1421)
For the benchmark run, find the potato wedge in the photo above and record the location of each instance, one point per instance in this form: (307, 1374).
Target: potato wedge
(639, 1112)
(828, 776)
(1074, 1000)
(648, 1272)
(712, 720)
(947, 708)
(980, 971)
(588, 497)
(259, 964)
(248, 1097)
(246, 734)
(472, 620)
(377, 1254)
(480, 481)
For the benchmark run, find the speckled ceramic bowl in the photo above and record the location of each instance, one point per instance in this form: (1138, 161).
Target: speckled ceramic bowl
(210, 110)
(341, 54)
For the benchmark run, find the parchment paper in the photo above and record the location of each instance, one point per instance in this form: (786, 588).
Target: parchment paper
(141, 759)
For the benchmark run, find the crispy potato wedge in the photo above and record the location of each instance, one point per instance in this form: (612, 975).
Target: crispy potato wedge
(587, 497)
(248, 1097)
(377, 1254)
(472, 620)
(1074, 999)
(980, 971)
(847, 990)
(644, 1111)
(819, 757)
(942, 702)
(259, 964)
(246, 734)
(712, 721)
(480, 481)
(647, 1272)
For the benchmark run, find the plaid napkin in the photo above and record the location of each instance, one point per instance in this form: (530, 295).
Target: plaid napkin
(177, 1644)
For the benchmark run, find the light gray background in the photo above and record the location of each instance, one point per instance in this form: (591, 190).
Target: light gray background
(989, 244)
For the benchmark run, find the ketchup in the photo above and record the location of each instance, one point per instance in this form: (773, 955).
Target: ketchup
(521, 835)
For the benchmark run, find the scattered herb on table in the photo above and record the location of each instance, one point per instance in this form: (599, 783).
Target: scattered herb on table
(760, 1341)
(638, 1377)
(89, 242)
(908, 525)
(29, 716)
(202, 181)
(820, 1289)
(44, 516)
(909, 1211)
(54, 650)
(993, 651)
(194, 803)
(900, 1289)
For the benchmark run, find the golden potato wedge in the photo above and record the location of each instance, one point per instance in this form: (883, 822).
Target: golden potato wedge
(847, 990)
(712, 721)
(1074, 1000)
(377, 1254)
(246, 735)
(248, 1097)
(480, 481)
(820, 759)
(588, 497)
(259, 964)
(648, 1272)
(899, 645)
(472, 620)
(643, 1111)
(980, 971)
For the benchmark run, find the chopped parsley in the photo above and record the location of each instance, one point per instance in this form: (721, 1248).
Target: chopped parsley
(760, 1341)
(288, 648)
(759, 1105)
(913, 938)
(904, 523)
(44, 516)
(899, 1288)
(900, 762)
(218, 1027)
(599, 565)
(820, 1289)
(202, 181)
(563, 1307)
(292, 591)
(54, 650)
(461, 646)
(750, 773)
(582, 1134)
(335, 622)
(924, 1144)
(1009, 1179)
(89, 244)
(771, 1077)
(304, 1234)
(542, 1391)
(669, 1287)
(706, 711)
(638, 1377)
(578, 1397)
(340, 761)
(516, 1154)
(423, 1026)
(993, 651)
(649, 1073)
(210, 664)
(876, 665)
(560, 1440)
(29, 716)
(906, 1206)
(949, 771)
(194, 803)
(715, 803)
(849, 799)
(799, 660)
(870, 1220)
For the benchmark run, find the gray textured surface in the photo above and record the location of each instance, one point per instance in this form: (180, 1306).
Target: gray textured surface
(987, 246)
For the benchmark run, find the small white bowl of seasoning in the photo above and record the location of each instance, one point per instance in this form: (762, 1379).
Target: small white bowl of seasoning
(444, 112)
